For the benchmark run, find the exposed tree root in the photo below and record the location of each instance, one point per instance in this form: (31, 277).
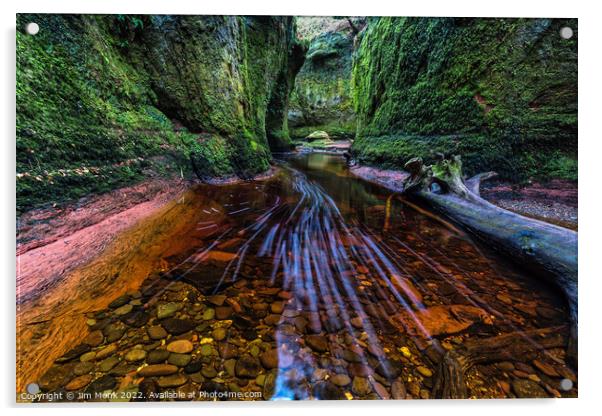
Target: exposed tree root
(548, 250)
(450, 382)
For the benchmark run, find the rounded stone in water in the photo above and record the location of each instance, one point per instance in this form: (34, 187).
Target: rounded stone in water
(181, 346)
(341, 380)
(219, 334)
(135, 354)
(157, 370)
(180, 360)
(208, 314)
(83, 368)
(168, 309)
(156, 332)
(157, 356)
(108, 363)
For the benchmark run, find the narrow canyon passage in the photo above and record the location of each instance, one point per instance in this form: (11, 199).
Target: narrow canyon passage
(309, 284)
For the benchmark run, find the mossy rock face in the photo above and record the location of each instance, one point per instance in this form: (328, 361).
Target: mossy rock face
(318, 135)
(335, 131)
(502, 93)
(102, 101)
(321, 99)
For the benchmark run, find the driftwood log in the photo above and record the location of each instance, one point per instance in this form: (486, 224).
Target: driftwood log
(547, 250)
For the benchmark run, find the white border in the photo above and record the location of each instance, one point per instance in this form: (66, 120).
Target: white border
(590, 97)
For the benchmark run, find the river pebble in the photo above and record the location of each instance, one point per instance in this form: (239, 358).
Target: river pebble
(123, 310)
(525, 388)
(217, 300)
(101, 384)
(167, 310)
(317, 342)
(207, 350)
(106, 351)
(182, 346)
(219, 334)
(157, 370)
(209, 314)
(341, 380)
(180, 360)
(136, 354)
(277, 307)
(398, 390)
(546, 368)
(94, 338)
(223, 312)
(269, 359)
(325, 390)
(79, 382)
(156, 332)
(361, 386)
(209, 371)
(54, 378)
(88, 356)
(174, 380)
(177, 326)
(114, 332)
(120, 301)
(193, 367)
(230, 367)
(108, 363)
(157, 356)
(424, 371)
(83, 368)
(380, 390)
(247, 366)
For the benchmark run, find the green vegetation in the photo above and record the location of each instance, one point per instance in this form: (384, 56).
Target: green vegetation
(320, 144)
(392, 152)
(103, 101)
(500, 92)
(336, 131)
(321, 99)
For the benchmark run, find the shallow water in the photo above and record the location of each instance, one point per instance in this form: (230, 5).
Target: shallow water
(315, 284)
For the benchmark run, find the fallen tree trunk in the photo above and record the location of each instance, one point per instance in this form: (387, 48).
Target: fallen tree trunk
(546, 249)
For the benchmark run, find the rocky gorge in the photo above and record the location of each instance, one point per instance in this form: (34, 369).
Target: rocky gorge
(241, 306)
(173, 245)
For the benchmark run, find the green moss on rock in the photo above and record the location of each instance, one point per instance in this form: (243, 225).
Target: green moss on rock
(321, 99)
(103, 101)
(501, 92)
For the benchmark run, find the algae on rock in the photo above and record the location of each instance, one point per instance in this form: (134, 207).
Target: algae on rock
(103, 101)
(321, 99)
(500, 92)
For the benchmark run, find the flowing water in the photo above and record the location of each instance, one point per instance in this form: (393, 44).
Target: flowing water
(313, 284)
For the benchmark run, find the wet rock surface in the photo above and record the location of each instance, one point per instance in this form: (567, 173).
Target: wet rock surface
(194, 353)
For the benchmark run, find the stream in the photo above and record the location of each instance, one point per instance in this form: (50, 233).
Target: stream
(309, 284)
